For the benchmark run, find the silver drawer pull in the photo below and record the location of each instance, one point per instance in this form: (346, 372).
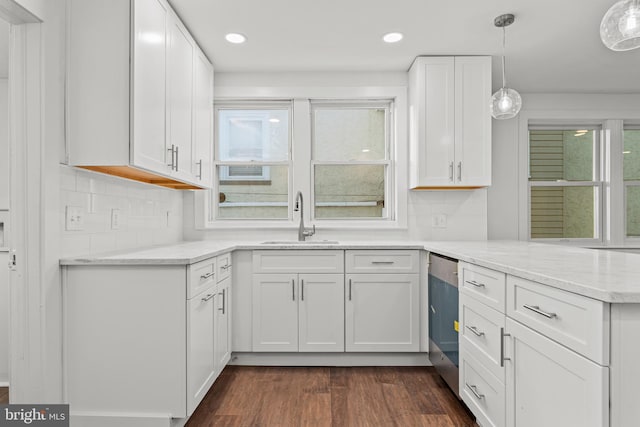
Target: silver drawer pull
(225, 267)
(382, 262)
(474, 390)
(475, 331)
(502, 337)
(206, 276)
(208, 297)
(474, 283)
(536, 309)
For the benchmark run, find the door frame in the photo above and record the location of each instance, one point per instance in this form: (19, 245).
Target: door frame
(26, 211)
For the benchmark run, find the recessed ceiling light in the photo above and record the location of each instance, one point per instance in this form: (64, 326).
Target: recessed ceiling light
(392, 37)
(235, 38)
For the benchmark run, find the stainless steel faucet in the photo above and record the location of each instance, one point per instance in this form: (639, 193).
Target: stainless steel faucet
(303, 232)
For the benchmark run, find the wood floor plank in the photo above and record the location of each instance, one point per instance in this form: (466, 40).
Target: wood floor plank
(4, 395)
(330, 397)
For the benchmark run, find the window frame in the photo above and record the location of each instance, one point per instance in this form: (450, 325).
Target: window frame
(634, 240)
(388, 105)
(299, 90)
(597, 182)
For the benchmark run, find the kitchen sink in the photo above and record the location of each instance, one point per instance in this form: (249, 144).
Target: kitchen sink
(297, 242)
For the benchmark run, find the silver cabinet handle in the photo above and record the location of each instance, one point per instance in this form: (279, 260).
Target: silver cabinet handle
(177, 148)
(225, 267)
(475, 331)
(199, 175)
(474, 283)
(536, 309)
(383, 262)
(302, 290)
(451, 171)
(459, 171)
(474, 390)
(293, 289)
(206, 276)
(208, 297)
(223, 301)
(173, 152)
(349, 289)
(502, 337)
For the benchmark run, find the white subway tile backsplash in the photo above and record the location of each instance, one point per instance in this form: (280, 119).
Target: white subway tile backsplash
(142, 213)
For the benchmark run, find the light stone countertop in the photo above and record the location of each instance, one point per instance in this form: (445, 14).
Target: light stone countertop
(600, 274)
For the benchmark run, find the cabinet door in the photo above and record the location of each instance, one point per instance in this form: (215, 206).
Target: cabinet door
(223, 325)
(148, 149)
(434, 120)
(321, 312)
(473, 121)
(275, 312)
(180, 96)
(201, 372)
(382, 312)
(550, 385)
(202, 120)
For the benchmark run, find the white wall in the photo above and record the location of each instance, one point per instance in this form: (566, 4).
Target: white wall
(148, 214)
(466, 211)
(4, 146)
(4, 259)
(510, 145)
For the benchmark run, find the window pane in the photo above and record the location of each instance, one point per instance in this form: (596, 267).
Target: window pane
(633, 211)
(349, 133)
(561, 155)
(563, 212)
(349, 191)
(247, 199)
(631, 155)
(258, 135)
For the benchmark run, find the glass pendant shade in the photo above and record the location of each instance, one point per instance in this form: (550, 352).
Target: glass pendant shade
(505, 104)
(620, 26)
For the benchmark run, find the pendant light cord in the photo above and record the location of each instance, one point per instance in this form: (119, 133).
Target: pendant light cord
(504, 42)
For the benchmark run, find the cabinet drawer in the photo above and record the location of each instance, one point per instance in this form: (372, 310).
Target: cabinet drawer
(486, 285)
(300, 261)
(482, 328)
(223, 267)
(382, 261)
(483, 393)
(201, 275)
(580, 323)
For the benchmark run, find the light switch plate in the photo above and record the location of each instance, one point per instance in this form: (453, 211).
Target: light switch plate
(74, 218)
(115, 219)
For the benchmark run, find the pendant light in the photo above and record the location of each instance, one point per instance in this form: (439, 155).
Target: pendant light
(505, 103)
(620, 26)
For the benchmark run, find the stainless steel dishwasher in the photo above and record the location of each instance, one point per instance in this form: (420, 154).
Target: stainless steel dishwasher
(443, 318)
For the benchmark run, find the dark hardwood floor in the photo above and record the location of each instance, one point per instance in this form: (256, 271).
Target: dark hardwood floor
(4, 395)
(336, 397)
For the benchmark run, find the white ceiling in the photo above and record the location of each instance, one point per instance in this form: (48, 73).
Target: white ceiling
(554, 45)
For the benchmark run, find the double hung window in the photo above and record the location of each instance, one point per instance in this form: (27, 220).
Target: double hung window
(565, 183)
(631, 176)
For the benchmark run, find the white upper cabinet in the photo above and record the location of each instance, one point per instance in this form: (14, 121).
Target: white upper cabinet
(450, 130)
(140, 101)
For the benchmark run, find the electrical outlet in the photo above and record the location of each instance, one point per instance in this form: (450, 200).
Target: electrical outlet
(74, 218)
(439, 221)
(115, 219)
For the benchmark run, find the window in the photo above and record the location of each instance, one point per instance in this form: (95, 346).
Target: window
(253, 161)
(343, 164)
(631, 176)
(350, 159)
(565, 188)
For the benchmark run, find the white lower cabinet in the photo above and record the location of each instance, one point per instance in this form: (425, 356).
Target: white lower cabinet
(298, 312)
(539, 361)
(201, 346)
(153, 337)
(382, 312)
(550, 385)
